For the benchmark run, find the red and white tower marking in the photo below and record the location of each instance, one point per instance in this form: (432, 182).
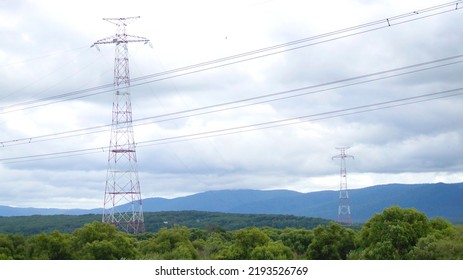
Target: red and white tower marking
(122, 198)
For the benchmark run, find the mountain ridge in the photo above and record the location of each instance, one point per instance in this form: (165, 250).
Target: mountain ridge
(436, 199)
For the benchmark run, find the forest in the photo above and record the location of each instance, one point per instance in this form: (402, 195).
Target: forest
(395, 234)
(154, 221)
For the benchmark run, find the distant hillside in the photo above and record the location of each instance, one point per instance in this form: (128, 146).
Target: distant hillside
(436, 200)
(18, 211)
(154, 221)
(433, 199)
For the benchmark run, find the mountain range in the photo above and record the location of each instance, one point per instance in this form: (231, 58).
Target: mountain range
(439, 199)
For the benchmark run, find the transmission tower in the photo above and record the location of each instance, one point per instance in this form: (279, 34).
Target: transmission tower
(344, 204)
(122, 198)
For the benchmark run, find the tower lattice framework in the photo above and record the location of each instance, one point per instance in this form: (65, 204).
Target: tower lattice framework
(122, 198)
(344, 216)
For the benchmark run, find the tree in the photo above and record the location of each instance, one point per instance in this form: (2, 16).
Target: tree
(12, 247)
(272, 251)
(196, 234)
(273, 233)
(170, 244)
(244, 242)
(54, 246)
(297, 239)
(332, 242)
(101, 241)
(444, 242)
(213, 247)
(6, 247)
(441, 227)
(392, 234)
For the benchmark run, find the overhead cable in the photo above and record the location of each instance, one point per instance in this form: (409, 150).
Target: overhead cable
(244, 102)
(242, 57)
(258, 126)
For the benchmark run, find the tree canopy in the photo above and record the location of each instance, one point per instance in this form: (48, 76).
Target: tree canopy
(395, 233)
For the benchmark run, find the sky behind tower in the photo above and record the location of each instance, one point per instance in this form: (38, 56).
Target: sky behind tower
(273, 88)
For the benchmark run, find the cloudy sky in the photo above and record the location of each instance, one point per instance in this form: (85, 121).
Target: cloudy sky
(389, 89)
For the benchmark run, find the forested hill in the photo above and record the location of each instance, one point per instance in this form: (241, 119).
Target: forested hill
(154, 221)
(434, 200)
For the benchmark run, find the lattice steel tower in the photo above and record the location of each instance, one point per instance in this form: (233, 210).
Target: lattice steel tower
(344, 203)
(122, 198)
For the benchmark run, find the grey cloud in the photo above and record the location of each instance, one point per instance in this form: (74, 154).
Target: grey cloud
(420, 138)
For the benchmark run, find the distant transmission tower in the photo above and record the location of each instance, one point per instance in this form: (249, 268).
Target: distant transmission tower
(122, 198)
(344, 204)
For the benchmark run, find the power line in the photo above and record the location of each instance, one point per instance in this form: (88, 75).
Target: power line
(41, 77)
(389, 21)
(384, 22)
(45, 55)
(200, 111)
(251, 55)
(259, 126)
(316, 117)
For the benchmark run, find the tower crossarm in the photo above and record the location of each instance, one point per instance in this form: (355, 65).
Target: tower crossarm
(343, 154)
(121, 38)
(122, 21)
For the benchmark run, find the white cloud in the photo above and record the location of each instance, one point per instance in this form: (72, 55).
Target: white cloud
(49, 53)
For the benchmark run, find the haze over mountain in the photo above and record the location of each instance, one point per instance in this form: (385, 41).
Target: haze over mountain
(433, 199)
